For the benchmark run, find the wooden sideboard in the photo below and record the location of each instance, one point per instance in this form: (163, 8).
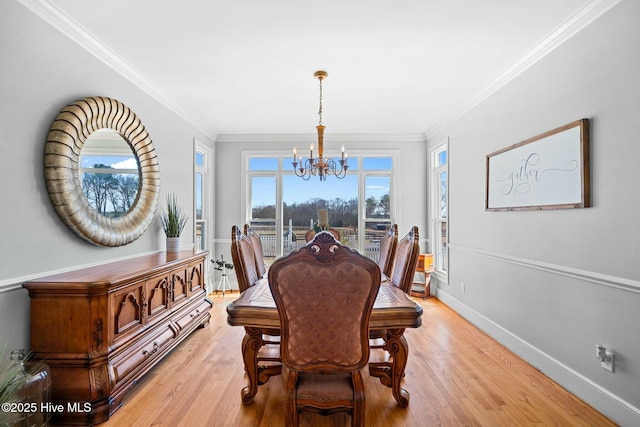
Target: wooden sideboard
(101, 328)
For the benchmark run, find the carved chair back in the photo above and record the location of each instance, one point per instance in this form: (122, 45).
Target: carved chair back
(243, 256)
(310, 234)
(388, 246)
(406, 260)
(324, 293)
(257, 249)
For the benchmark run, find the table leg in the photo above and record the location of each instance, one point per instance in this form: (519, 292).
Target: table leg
(251, 343)
(391, 373)
(258, 374)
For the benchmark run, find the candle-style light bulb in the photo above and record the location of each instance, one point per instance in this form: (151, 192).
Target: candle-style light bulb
(295, 151)
(342, 150)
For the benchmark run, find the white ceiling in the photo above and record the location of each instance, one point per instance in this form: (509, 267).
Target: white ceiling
(246, 66)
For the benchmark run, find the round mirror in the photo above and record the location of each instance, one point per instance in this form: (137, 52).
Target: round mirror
(86, 208)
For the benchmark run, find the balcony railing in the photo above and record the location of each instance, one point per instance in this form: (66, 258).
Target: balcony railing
(269, 241)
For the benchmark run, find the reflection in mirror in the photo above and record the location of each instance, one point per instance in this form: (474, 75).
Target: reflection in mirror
(109, 173)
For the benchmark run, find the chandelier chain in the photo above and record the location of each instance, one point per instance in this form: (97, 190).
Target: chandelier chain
(320, 108)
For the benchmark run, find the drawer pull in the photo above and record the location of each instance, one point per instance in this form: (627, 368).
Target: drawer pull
(149, 353)
(195, 315)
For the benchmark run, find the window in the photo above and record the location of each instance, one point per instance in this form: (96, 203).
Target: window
(377, 203)
(282, 207)
(440, 207)
(203, 199)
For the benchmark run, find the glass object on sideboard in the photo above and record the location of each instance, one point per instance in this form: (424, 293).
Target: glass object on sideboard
(30, 403)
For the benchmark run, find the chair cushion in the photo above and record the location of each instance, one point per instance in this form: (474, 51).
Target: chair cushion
(325, 387)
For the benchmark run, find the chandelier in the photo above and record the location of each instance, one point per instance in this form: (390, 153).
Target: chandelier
(320, 166)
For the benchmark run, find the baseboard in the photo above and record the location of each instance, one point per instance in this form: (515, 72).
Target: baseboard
(609, 404)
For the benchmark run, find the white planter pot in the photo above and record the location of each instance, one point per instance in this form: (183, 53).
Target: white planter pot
(173, 244)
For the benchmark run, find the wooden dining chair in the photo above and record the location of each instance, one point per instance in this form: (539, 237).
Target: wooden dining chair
(388, 246)
(402, 272)
(243, 256)
(244, 259)
(406, 260)
(261, 266)
(324, 294)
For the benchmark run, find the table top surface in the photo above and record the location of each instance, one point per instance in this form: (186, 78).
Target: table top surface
(256, 308)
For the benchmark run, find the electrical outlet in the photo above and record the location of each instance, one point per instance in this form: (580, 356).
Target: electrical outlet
(608, 364)
(605, 356)
(463, 287)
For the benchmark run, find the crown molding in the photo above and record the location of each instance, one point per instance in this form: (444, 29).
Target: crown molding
(59, 20)
(331, 137)
(70, 28)
(592, 11)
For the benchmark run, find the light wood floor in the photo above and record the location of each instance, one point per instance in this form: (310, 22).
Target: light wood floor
(457, 376)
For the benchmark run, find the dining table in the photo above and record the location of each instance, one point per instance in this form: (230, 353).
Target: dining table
(393, 312)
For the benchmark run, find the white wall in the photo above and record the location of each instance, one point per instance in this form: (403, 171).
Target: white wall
(553, 284)
(412, 175)
(42, 71)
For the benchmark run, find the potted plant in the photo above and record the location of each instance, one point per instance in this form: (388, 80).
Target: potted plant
(173, 221)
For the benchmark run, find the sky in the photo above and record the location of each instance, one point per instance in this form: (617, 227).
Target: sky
(116, 162)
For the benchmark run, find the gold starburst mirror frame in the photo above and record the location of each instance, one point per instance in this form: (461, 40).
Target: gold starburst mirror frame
(68, 133)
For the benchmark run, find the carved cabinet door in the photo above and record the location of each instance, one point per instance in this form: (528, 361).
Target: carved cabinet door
(128, 310)
(157, 296)
(180, 287)
(196, 276)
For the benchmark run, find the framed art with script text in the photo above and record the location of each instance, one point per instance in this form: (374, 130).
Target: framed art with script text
(548, 171)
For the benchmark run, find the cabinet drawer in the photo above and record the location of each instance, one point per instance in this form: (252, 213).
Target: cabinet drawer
(137, 355)
(193, 314)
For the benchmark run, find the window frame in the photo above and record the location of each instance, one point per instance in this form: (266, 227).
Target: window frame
(208, 203)
(440, 257)
(284, 155)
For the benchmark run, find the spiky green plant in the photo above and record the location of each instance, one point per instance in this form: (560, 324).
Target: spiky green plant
(10, 376)
(173, 219)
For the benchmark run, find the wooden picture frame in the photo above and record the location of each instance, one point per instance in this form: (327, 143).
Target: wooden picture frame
(548, 171)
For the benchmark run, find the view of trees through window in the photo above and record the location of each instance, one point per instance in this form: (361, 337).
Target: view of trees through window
(377, 208)
(296, 207)
(344, 213)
